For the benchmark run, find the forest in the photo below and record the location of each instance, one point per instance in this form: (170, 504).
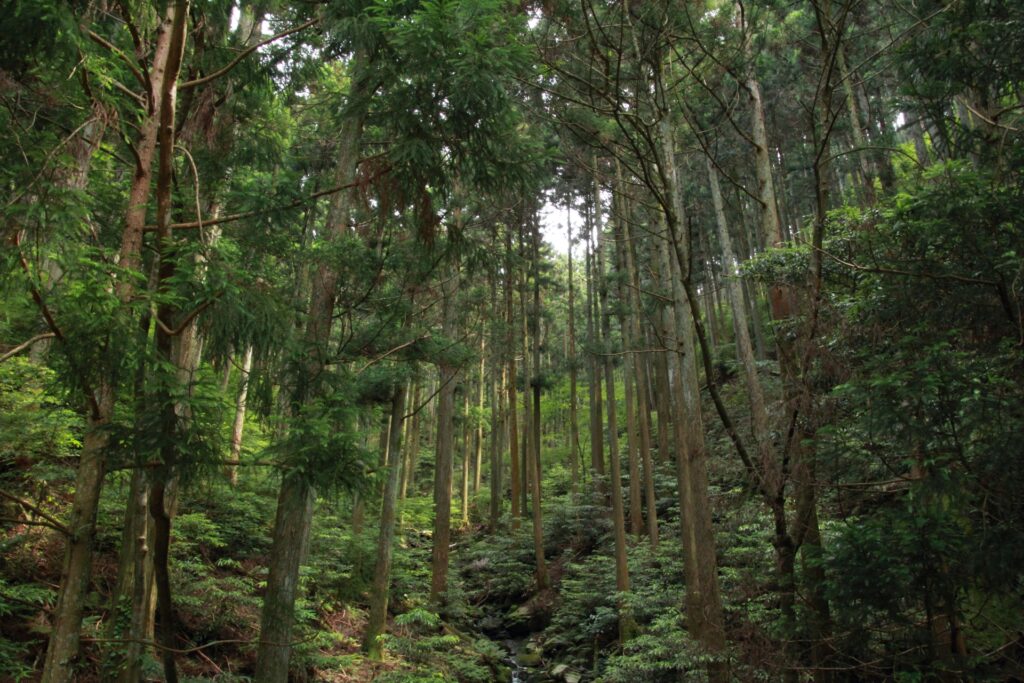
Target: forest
(609, 341)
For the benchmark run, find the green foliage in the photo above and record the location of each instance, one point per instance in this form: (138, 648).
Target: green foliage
(321, 444)
(499, 568)
(423, 641)
(38, 433)
(663, 653)
(210, 586)
(18, 601)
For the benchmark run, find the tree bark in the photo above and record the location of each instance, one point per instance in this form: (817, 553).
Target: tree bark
(67, 614)
(62, 648)
(295, 500)
(574, 423)
(494, 446)
(444, 447)
(467, 458)
(639, 366)
(636, 522)
(759, 420)
(412, 445)
(238, 425)
(594, 337)
(535, 381)
(478, 423)
(627, 625)
(703, 600)
(294, 515)
(385, 542)
(171, 412)
(513, 427)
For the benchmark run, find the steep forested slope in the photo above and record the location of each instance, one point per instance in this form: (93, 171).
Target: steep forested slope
(466, 340)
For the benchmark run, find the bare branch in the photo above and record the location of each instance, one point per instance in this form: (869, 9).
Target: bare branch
(24, 345)
(245, 53)
(54, 523)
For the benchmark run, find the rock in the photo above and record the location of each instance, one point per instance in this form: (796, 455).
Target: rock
(524, 620)
(529, 659)
(491, 623)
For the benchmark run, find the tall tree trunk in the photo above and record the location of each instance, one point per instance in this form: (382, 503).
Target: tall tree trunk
(494, 445)
(639, 367)
(66, 620)
(703, 600)
(661, 380)
(767, 461)
(385, 540)
(574, 423)
(444, 447)
(513, 427)
(636, 522)
(74, 584)
(863, 155)
(535, 381)
(294, 515)
(627, 625)
(412, 444)
(467, 459)
(295, 500)
(238, 425)
(593, 338)
(171, 412)
(478, 422)
(527, 447)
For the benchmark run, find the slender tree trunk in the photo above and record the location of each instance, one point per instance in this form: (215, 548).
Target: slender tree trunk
(538, 525)
(238, 425)
(574, 423)
(294, 515)
(627, 625)
(771, 226)
(593, 336)
(665, 424)
(527, 448)
(412, 444)
(867, 176)
(444, 447)
(385, 541)
(478, 423)
(703, 600)
(64, 637)
(639, 367)
(62, 648)
(170, 410)
(494, 452)
(295, 500)
(513, 427)
(467, 459)
(636, 522)
(768, 463)
(134, 581)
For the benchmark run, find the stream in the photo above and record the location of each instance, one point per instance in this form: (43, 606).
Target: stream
(519, 672)
(518, 632)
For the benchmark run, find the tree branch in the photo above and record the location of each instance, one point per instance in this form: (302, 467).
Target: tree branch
(245, 53)
(24, 345)
(54, 523)
(192, 225)
(100, 40)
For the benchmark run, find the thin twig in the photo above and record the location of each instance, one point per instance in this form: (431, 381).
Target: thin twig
(245, 53)
(54, 523)
(24, 345)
